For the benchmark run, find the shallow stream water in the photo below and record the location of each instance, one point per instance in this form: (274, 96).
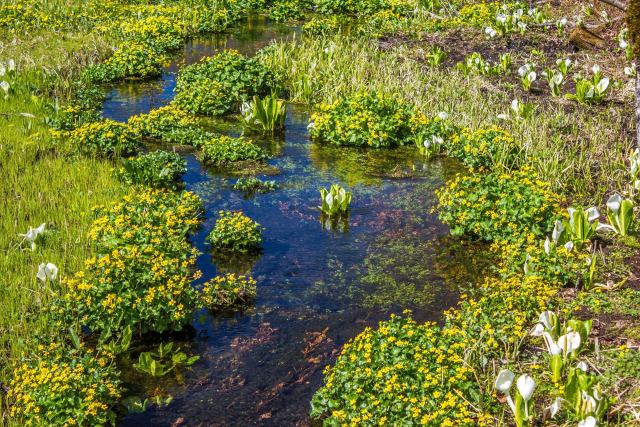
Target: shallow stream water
(319, 284)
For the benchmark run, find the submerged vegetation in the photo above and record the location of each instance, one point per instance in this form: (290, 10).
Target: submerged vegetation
(112, 262)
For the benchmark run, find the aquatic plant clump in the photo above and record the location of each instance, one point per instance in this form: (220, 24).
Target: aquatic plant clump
(227, 291)
(142, 273)
(335, 201)
(220, 83)
(131, 60)
(204, 96)
(102, 138)
(363, 120)
(160, 32)
(515, 207)
(482, 148)
(157, 218)
(393, 375)
(253, 185)
(268, 113)
(64, 387)
(171, 125)
(156, 123)
(159, 169)
(136, 286)
(224, 150)
(234, 231)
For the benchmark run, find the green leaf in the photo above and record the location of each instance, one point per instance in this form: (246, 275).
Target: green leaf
(74, 338)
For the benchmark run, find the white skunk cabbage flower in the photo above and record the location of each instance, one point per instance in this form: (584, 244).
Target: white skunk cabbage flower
(554, 408)
(588, 422)
(47, 271)
(548, 318)
(526, 385)
(504, 381)
(569, 342)
(32, 234)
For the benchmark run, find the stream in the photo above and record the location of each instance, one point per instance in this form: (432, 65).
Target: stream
(319, 284)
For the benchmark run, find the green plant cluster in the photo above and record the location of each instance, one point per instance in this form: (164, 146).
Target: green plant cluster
(483, 148)
(21, 17)
(518, 298)
(364, 120)
(221, 151)
(218, 84)
(110, 16)
(83, 108)
(227, 291)
(161, 32)
(267, 114)
(499, 206)
(368, 12)
(627, 365)
(288, 10)
(170, 125)
(402, 373)
(253, 185)
(159, 169)
(323, 25)
(480, 15)
(236, 232)
(130, 60)
(557, 265)
(102, 138)
(204, 96)
(141, 274)
(164, 360)
(148, 38)
(383, 22)
(64, 387)
(362, 7)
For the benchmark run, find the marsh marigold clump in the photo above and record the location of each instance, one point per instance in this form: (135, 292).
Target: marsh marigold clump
(170, 124)
(363, 120)
(393, 375)
(161, 32)
(236, 232)
(515, 207)
(132, 59)
(500, 313)
(65, 387)
(217, 84)
(228, 290)
(224, 150)
(482, 148)
(103, 138)
(141, 274)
